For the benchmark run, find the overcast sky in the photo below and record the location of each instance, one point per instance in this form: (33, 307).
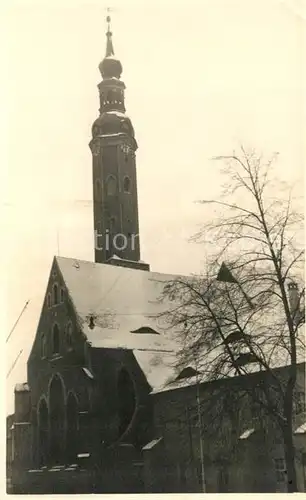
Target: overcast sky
(201, 78)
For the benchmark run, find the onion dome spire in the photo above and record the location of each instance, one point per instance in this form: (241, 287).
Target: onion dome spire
(110, 67)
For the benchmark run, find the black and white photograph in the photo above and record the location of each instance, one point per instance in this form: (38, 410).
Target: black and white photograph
(154, 247)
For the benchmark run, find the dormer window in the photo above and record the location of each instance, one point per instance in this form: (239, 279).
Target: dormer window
(245, 359)
(145, 329)
(235, 337)
(187, 373)
(55, 294)
(55, 339)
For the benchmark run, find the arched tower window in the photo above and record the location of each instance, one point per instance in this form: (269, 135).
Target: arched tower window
(111, 185)
(49, 300)
(62, 294)
(112, 224)
(98, 190)
(55, 294)
(127, 184)
(43, 346)
(55, 339)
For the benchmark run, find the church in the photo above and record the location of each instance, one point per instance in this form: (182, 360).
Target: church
(104, 409)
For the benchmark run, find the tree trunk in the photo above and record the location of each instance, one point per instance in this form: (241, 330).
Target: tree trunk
(290, 459)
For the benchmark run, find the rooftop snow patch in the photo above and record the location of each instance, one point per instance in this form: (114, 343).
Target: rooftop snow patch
(246, 434)
(119, 298)
(22, 387)
(157, 366)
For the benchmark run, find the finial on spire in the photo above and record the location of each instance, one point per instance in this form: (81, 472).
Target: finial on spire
(109, 42)
(110, 67)
(108, 20)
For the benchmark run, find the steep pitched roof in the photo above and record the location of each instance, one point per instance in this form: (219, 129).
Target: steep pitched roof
(124, 306)
(120, 300)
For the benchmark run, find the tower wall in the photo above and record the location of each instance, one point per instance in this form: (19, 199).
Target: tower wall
(113, 147)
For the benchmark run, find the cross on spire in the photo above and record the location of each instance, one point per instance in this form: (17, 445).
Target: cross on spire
(109, 42)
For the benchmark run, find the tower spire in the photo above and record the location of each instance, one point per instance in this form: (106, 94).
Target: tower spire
(110, 67)
(109, 41)
(113, 147)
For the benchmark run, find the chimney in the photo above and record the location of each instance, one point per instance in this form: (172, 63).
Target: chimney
(294, 299)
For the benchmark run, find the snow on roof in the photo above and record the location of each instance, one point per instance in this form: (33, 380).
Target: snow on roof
(22, 387)
(158, 367)
(301, 429)
(123, 339)
(208, 375)
(246, 434)
(120, 300)
(152, 443)
(87, 372)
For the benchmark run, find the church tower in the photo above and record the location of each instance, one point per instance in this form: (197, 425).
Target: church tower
(113, 148)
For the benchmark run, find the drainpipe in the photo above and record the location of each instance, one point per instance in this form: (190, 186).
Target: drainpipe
(201, 440)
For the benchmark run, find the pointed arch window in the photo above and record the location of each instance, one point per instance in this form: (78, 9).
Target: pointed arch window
(111, 224)
(43, 432)
(49, 302)
(62, 295)
(87, 354)
(72, 427)
(55, 294)
(111, 185)
(43, 346)
(55, 339)
(127, 184)
(69, 339)
(98, 190)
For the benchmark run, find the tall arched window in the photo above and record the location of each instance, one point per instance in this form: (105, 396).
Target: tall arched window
(55, 339)
(69, 334)
(98, 190)
(43, 432)
(43, 345)
(57, 419)
(112, 224)
(72, 428)
(87, 358)
(111, 185)
(127, 184)
(62, 294)
(49, 300)
(126, 400)
(55, 294)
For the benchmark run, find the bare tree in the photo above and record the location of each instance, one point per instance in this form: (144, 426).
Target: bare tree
(239, 319)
